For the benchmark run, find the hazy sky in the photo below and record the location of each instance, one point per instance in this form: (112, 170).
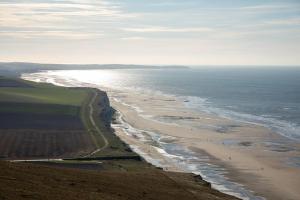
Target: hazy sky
(191, 32)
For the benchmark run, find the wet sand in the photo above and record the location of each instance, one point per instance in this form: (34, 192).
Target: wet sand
(253, 155)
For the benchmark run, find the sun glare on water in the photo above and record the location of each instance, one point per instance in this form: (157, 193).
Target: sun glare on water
(100, 77)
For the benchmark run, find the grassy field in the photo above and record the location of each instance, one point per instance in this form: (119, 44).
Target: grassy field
(31, 144)
(39, 108)
(43, 94)
(59, 118)
(17, 95)
(42, 120)
(12, 82)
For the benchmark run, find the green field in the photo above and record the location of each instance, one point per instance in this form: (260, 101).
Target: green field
(41, 107)
(23, 96)
(44, 94)
(50, 119)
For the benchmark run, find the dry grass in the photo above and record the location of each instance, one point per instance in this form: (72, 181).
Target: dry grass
(29, 181)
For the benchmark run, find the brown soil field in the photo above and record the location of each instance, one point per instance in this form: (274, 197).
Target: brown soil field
(39, 108)
(28, 144)
(4, 82)
(9, 120)
(29, 181)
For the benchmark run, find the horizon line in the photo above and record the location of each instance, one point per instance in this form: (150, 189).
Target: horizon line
(161, 65)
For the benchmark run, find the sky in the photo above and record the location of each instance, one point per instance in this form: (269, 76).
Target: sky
(160, 32)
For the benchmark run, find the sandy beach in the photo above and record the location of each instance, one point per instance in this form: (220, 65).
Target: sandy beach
(241, 159)
(242, 149)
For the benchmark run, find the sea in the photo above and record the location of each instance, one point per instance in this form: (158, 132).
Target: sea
(265, 96)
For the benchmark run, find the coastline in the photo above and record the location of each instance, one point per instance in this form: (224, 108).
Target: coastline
(251, 162)
(240, 155)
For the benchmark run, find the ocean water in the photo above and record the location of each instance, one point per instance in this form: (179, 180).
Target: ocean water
(269, 96)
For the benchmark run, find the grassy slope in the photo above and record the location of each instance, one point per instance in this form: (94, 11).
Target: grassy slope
(44, 94)
(47, 97)
(39, 108)
(28, 181)
(85, 115)
(25, 96)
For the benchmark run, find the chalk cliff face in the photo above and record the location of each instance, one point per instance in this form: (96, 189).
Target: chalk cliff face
(106, 111)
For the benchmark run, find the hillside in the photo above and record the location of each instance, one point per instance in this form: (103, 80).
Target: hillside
(28, 181)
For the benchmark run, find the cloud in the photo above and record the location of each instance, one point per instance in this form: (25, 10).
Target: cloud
(267, 7)
(275, 8)
(30, 14)
(66, 19)
(69, 35)
(167, 29)
(134, 38)
(283, 22)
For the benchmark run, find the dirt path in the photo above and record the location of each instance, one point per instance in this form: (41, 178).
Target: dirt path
(95, 127)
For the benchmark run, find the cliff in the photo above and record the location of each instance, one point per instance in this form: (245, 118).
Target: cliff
(105, 110)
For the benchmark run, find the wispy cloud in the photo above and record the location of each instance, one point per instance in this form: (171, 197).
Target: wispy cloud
(166, 29)
(283, 22)
(133, 38)
(269, 7)
(68, 19)
(184, 28)
(66, 35)
(44, 14)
